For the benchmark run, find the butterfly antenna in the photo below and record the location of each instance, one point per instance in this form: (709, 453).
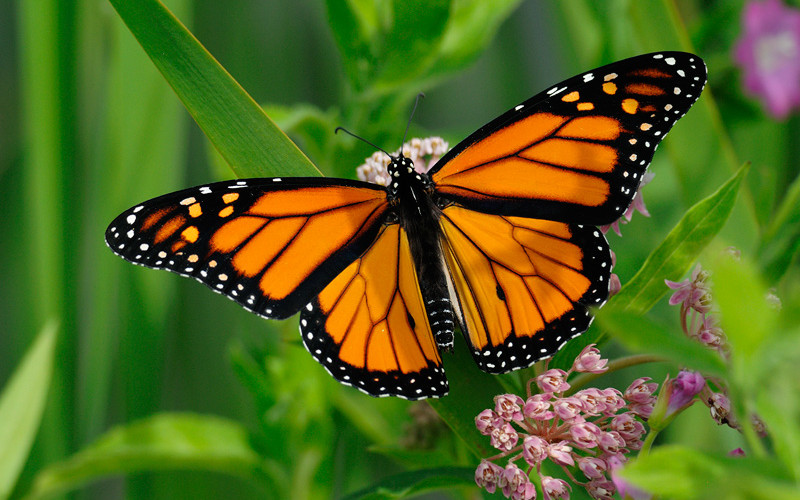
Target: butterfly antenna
(362, 139)
(410, 118)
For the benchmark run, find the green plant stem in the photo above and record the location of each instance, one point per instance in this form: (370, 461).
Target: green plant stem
(613, 366)
(648, 443)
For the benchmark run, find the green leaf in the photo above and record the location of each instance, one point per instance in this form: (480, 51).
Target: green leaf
(745, 315)
(679, 472)
(412, 483)
(21, 406)
(680, 249)
(640, 334)
(670, 260)
(471, 392)
(162, 442)
(237, 126)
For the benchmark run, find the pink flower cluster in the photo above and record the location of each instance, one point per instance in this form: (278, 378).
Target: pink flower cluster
(694, 297)
(591, 430)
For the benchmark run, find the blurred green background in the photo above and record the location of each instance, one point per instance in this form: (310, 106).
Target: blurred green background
(88, 127)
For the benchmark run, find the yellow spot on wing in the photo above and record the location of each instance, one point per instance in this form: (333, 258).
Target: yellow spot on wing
(609, 88)
(630, 105)
(571, 97)
(226, 211)
(190, 234)
(195, 210)
(585, 106)
(230, 197)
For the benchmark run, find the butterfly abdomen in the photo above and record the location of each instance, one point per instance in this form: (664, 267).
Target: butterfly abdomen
(419, 215)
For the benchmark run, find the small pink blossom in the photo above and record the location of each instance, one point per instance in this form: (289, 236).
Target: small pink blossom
(553, 380)
(486, 421)
(585, 434)
(601, 489)
(513, 480)
(561, 453)
(628, 427)
(693, 293)
(504, 437)
(590, 361)
(507, 406)
(555, 488)
(738, 452)
(611, 442)
(537, 407)
(640, 391)
(534, 449)
(592, 467)
(568, 409)
(487, 475)
(720, 407)
(676, 394)
(592, 399)
(769, 54)
(612, 401)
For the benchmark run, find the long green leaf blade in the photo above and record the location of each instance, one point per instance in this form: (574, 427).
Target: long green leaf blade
(248, 140)
(675, 255)
(163, 442)
(21, 406)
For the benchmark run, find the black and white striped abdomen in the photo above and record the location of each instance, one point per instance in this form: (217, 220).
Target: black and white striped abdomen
(440, 315)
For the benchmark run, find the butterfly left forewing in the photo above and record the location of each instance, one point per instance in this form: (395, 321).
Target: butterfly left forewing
(576, 152)
(369, 327)
(524, 285)
(268, 244)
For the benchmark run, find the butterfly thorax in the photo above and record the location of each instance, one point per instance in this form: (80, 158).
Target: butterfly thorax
(417, 213)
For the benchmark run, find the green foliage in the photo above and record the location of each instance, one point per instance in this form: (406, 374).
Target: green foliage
(21, 407)
(137, 369)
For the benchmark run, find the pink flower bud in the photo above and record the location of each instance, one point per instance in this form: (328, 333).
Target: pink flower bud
(738, 452)
(537, 407)
(487, 474)
(507, 406)
(624, 489)
(612, 401)
(486, 421)
(561, 453)
(585, 434)
(628, 427)
(640, 391)
(534, 449)
(589, 361)
(568, 409)
(592, 467)
(592, 401)
(513, 479)
(611, 442)
(553, 380)
(720, 407)
(675, 396)
(555, 488)
(601, 489)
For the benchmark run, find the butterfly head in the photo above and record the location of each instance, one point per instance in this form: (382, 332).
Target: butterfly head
(401, 171)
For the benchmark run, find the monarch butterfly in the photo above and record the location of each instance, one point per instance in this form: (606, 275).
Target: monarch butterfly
(499, 237)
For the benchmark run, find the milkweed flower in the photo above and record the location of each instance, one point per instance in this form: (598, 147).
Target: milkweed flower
(424, 153)
(769, 54)
(637, 205)
(578, 433)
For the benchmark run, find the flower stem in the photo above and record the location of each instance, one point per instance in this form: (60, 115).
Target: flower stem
(616, 365)
(648, 443)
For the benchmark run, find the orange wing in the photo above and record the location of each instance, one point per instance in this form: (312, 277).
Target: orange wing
(524, 285)
(269, 244)
(575, 153)
(369, 327)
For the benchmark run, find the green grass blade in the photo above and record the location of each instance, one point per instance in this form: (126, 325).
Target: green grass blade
(240, 130)
(21, 407)
(163, 442)
(412, 483)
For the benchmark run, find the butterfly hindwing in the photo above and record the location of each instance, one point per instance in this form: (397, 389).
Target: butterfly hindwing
(524, 285)
(576, 152)
(369, 327)
(269, 244)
